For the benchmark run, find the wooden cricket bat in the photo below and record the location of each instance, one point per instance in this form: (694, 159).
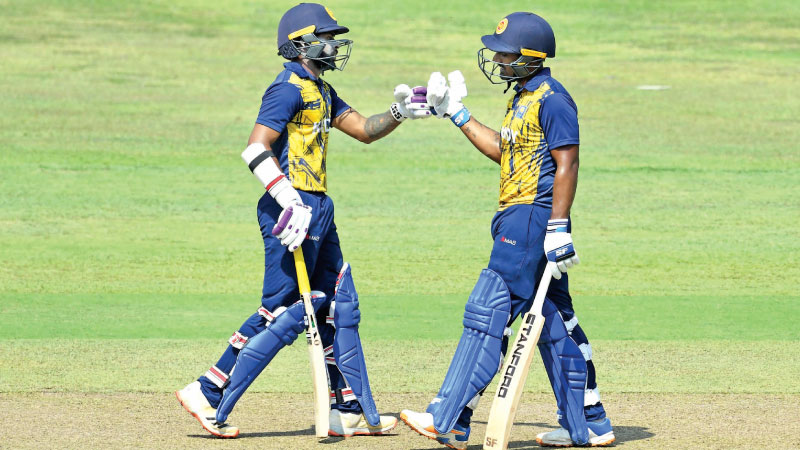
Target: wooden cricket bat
(319, 373)
(515, 371)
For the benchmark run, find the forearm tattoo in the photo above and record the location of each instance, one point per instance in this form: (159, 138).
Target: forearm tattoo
(472, 132)
(380, 125)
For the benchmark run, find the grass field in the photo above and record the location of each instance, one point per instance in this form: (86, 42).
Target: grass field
(129, 247)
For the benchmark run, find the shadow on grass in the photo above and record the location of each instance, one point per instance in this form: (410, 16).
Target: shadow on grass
(629, 433)
(622, 433)
(306, 432)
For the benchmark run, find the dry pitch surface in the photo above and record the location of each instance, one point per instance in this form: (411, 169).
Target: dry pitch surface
(281, 421)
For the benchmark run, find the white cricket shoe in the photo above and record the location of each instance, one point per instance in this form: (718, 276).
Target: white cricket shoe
(193, 400)
(422, 423)
(600, 435)
(348, 424)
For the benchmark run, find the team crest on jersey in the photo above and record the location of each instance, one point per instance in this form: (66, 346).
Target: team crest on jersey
(521, 110)
(502, 26)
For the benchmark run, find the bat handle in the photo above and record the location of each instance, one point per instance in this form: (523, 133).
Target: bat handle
(541, 292)
(302, 273)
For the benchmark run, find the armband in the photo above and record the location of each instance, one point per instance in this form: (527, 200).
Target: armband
(260, 162)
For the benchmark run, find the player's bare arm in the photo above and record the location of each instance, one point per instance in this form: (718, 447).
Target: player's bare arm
(264, 135)
(411, 103)
(366, 130)
(485, 139)
(565, 182)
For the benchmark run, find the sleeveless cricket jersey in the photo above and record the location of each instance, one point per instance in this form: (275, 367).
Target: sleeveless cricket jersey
(540, 117)
(300, 107)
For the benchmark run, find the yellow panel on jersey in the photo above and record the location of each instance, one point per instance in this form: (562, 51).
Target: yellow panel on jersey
(307, 133)
(522, 147)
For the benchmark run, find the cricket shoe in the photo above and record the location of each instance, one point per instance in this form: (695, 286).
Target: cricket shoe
(600, 435)
(348, 424)
(193, 400)
(422, 423)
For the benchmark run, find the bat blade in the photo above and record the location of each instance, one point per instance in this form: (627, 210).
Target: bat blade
(514, 373)
(319, 372)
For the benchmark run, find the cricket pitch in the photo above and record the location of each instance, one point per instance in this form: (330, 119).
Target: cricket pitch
(285, 421)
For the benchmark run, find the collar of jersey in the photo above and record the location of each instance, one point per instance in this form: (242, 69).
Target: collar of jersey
(534, 82)
(299, 70)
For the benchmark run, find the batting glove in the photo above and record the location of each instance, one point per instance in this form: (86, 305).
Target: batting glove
(558, 247)
(411, 103)
(446, 100)
(292, 226)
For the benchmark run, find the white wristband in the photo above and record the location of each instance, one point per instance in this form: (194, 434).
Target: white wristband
(396, 114)
(260, 161)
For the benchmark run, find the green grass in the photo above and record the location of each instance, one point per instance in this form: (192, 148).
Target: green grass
(436, 318)
(129, 248)
(164, 365)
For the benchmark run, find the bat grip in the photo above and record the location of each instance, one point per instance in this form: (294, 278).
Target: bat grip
(302, 273)
(541, 292)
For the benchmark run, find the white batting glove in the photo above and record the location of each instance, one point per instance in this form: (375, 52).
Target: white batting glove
(558, 246)
(292, 226)
(411, 103)
(447, 100)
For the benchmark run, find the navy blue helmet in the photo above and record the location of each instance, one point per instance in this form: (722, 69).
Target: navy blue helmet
(298, 36)
(521, 33)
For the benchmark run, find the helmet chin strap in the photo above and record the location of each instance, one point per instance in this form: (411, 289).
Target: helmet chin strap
(532, 74)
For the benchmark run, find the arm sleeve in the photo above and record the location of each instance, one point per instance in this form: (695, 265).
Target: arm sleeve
(559, 119)
(279, 104)
(338, 105)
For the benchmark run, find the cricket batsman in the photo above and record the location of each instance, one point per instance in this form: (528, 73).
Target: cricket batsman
(537, 150)
(287, 153)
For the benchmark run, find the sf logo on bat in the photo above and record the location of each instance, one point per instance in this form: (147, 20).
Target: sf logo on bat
(515, 357)
(312, 335)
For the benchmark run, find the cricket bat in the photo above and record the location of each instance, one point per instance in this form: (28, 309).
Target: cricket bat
(319, 373)
(515, 371)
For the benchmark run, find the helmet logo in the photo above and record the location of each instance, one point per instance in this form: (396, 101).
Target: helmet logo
(330, 13)
(501, 26)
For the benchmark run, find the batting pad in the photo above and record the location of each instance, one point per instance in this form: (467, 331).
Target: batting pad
(347, 350)
(566, 368)
(478, 354)
(260, 350)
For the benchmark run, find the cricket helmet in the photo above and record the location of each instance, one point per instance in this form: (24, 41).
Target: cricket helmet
(521, 33)
(298, 32)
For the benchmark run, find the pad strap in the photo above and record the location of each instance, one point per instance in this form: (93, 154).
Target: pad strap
(339, 396)
(266, 314)
(238, 340)
(329, 359)
(217, 376)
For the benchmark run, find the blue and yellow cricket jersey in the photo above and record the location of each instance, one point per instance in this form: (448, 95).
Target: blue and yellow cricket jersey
(541, 117)
(300, 107)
